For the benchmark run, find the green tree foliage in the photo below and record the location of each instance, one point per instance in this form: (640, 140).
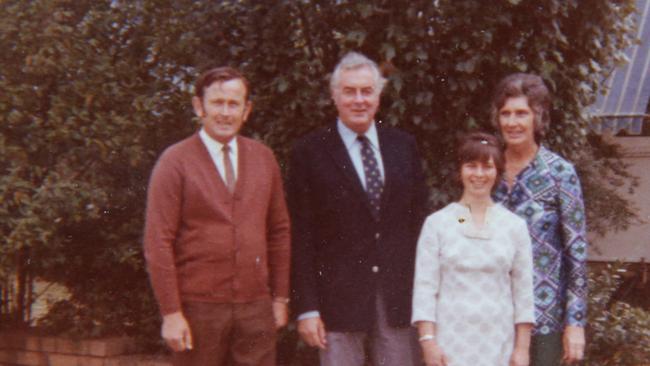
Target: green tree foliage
(92, 91)
(85, 108)
(618, 333)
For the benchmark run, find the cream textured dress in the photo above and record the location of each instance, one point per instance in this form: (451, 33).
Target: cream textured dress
(475, 284)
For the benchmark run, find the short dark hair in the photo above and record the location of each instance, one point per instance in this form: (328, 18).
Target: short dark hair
(481, 146)
(218, 74)
(533, 88)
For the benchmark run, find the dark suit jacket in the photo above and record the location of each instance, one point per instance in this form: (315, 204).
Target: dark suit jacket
(341, 255)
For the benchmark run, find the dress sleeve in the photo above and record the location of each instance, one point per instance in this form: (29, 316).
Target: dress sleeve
(522, 276)
(427, 274)
(573, 229)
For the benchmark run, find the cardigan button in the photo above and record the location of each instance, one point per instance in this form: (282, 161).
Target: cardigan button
(375, 269)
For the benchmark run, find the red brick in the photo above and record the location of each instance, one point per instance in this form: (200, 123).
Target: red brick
(138, 360)
(21, 349)
(23, 358)
(47, 344)
(110, 346)
(74, 360)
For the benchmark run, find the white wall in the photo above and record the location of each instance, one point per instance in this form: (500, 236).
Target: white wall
(632, 245)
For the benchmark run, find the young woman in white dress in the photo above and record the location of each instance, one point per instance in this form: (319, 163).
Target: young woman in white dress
(473, 291)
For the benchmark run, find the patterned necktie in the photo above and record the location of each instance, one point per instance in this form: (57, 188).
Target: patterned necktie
(230, 172)
(374, 185)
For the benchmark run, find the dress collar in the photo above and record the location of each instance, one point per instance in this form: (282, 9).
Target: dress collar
(468, 228)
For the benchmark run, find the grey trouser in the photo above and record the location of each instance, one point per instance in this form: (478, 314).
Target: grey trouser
(388, 346)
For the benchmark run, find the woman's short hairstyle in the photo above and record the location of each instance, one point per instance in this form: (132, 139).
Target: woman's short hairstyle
(533, 88)
(480, 146)
(220, 75)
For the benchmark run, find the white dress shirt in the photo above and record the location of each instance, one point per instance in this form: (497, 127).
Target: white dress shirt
(353, 147)
(216, 153)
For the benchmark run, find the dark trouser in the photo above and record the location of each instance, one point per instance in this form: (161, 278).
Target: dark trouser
(229, 334)
(546, 350)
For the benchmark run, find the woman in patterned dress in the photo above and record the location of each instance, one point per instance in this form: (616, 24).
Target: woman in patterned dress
(473, 294)
(543, 188)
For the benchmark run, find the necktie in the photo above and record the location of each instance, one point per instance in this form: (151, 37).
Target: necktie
(374, 185)
(230, 172)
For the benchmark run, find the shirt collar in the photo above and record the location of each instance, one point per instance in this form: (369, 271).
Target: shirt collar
(350, 137)
(215, 146)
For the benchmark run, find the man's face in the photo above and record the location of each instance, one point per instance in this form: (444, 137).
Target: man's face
(357, 98)
(223, 109)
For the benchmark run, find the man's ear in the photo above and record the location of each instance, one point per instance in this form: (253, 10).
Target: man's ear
(333, 95)
(197, 104)
(247, 109)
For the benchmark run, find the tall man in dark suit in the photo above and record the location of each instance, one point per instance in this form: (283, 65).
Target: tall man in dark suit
(357, 198)
(217, 235)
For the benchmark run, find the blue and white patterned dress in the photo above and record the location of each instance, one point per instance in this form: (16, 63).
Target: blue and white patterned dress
(548, 196)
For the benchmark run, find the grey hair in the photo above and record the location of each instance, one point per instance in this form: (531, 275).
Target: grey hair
(354, 61)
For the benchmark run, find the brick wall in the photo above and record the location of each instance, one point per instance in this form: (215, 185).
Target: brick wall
(18, 349)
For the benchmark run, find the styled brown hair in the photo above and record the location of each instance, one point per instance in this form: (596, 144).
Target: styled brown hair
(480, 146)
(533, 88)
(218, 74)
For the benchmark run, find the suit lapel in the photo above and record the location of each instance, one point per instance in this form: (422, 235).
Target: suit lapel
(215, 183)
(243, 153)
(212, 174)
(391, 165)
(341, 157)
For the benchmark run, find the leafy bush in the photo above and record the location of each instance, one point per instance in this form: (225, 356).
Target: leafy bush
(93, 90)
(618, 334)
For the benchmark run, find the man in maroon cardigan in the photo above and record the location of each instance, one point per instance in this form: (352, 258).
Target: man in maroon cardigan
(217, 235)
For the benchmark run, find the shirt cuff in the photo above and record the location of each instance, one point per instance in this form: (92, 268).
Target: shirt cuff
(309, 315)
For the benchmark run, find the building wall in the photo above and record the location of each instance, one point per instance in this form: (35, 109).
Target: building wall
(633, 244)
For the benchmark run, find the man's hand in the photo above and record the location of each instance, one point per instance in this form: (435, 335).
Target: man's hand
(312, 331)
(520, 357)
(574, 343)
(280, 313)
(432, 354)
(176, 332)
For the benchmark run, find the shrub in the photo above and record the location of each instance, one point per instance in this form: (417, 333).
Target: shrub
(618, 334)
(93, 90)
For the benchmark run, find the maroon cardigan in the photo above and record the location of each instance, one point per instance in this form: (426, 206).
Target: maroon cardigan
(202, 243)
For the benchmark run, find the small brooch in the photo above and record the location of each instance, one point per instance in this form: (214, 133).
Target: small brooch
(461, 220)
